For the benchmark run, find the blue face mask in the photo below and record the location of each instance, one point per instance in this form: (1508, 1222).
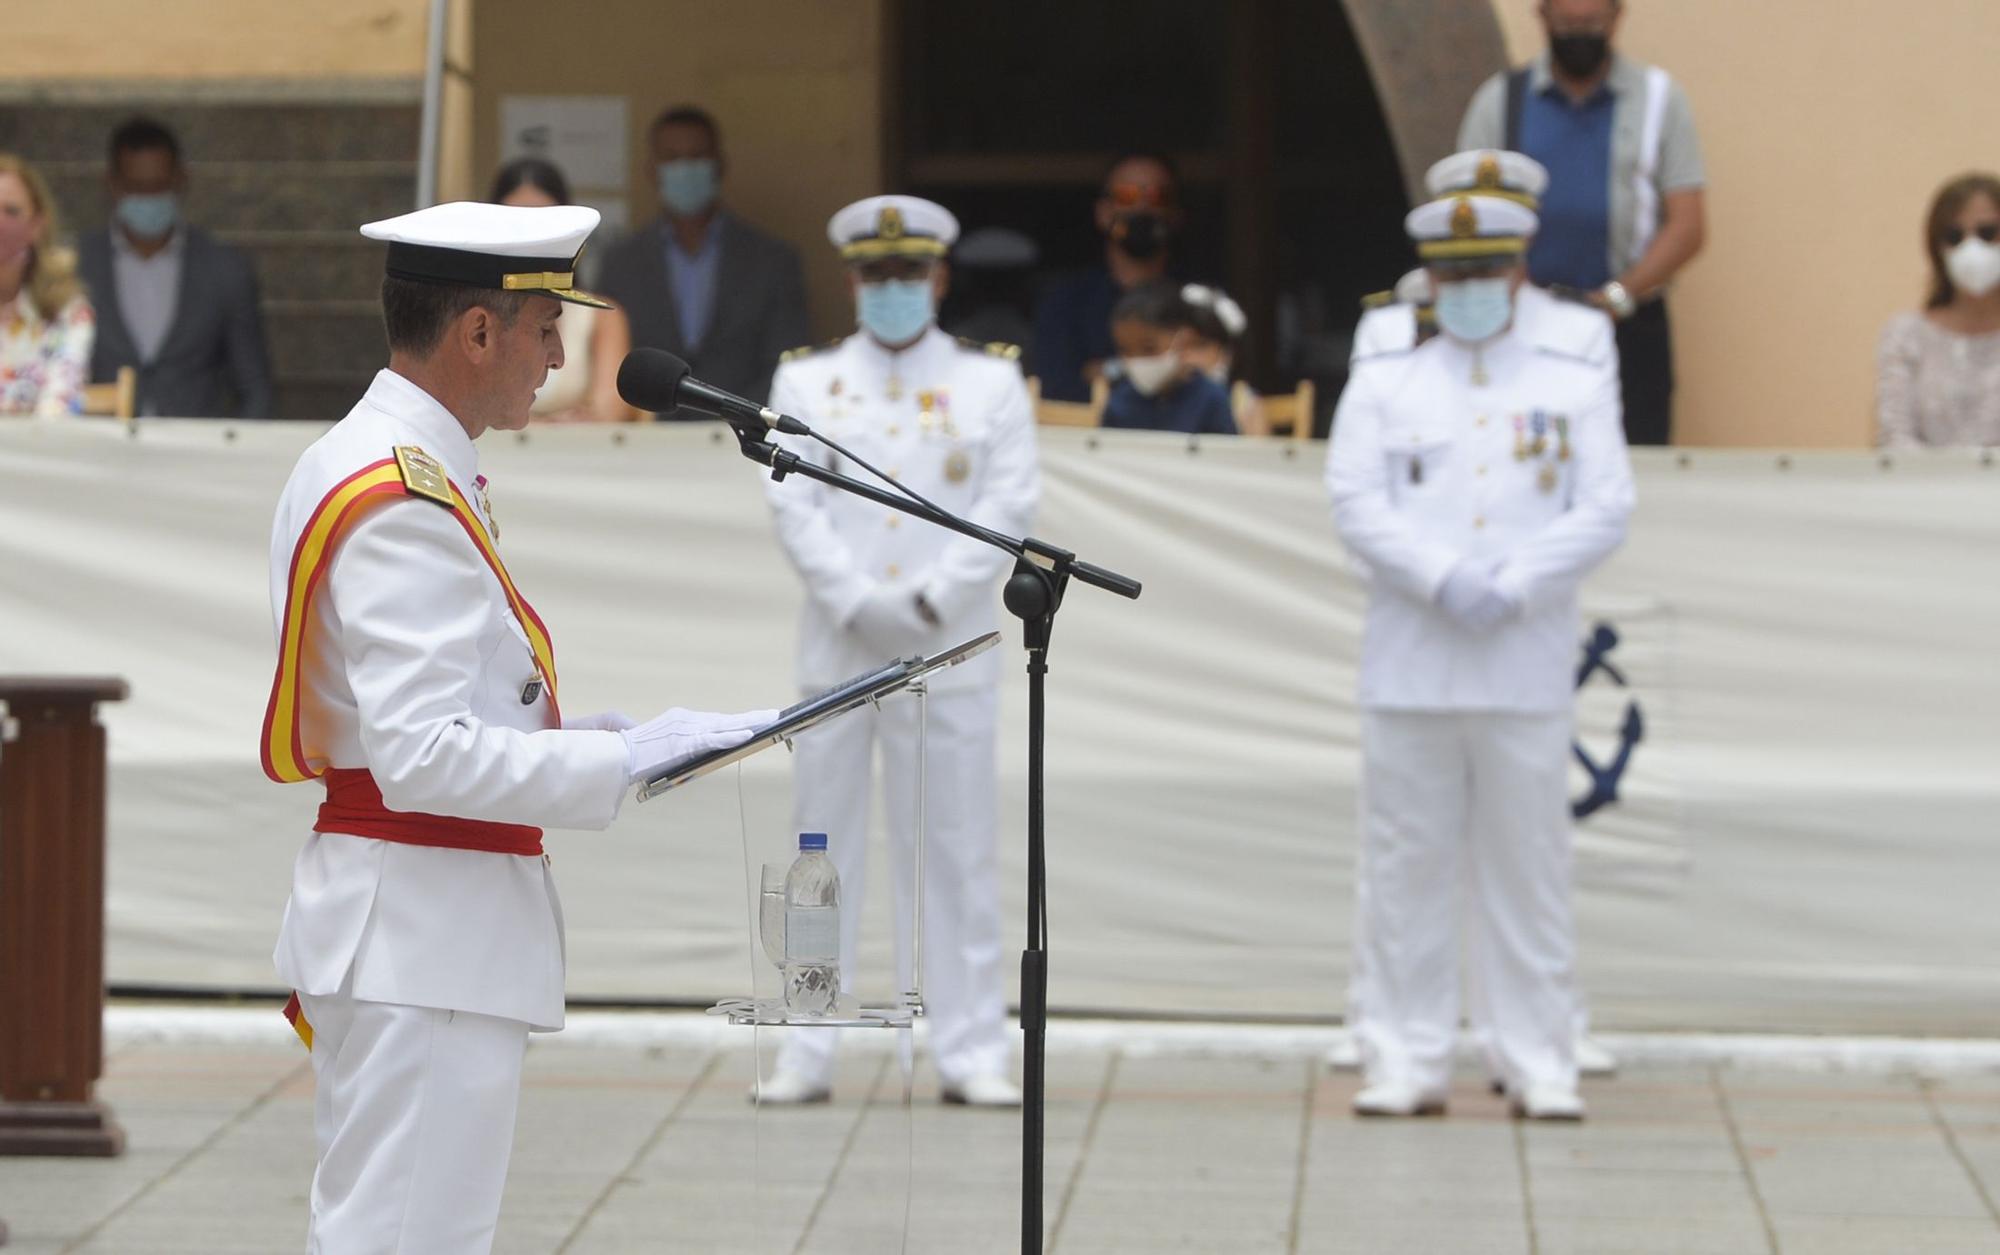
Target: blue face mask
(688, 186)
(895, 311)
(149, 217)
(1473, 311)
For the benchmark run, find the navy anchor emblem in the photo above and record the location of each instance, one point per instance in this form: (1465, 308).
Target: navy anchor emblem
(1604, 779)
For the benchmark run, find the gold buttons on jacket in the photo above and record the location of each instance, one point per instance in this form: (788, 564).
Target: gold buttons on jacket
(893, 571)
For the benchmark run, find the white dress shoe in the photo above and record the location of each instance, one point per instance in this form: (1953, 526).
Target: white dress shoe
(1548, 1102)
(1593, 1059)
(1398, 1098)
(1345, 1056)
(982, 1091)
(790, 1089)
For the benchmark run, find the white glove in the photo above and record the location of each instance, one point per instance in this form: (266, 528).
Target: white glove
(680, 735)
(602, 721)
(1470, 596)
(888, 619)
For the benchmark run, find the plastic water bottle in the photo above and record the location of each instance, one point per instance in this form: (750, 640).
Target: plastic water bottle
(812, 929)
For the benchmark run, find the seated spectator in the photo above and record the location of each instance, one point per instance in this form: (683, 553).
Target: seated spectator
(172, 301)
(585, 387)
(1159, 387)
(46, 323)
(1938, 371)
(699, 281)
(1216, 324)
(1138, 213)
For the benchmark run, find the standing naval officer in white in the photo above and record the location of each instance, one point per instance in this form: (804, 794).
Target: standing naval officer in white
(1477, 477)
(952, 421)
(1393, 323)
(423, 936)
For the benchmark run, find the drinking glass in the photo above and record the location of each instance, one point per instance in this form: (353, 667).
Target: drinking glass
(771, 913)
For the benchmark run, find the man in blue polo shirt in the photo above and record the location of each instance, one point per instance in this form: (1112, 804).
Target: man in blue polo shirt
(1624, 207)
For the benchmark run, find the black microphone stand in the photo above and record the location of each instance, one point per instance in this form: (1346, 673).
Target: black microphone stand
(1033, 594)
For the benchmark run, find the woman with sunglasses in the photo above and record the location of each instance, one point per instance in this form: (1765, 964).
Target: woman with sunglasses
(1938, 370)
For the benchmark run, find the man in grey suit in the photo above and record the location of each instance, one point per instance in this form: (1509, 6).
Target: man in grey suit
(172, 301)
(699, 281)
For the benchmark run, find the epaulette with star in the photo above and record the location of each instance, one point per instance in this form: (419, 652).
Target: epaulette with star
(992, 348)
(422, 476)
(808, 350)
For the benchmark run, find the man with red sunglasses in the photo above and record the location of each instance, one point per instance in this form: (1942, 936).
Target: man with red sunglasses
(1138, 213)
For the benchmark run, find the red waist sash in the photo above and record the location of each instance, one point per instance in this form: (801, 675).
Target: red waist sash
(354, 806)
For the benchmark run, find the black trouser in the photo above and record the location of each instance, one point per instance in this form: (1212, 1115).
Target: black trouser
(1646, 367)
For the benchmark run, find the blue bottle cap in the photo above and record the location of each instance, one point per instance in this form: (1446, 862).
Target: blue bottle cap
(812, 841)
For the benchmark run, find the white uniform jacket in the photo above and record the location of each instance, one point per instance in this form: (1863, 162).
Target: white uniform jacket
(951, 421)
(416, 669)
(1525, 473)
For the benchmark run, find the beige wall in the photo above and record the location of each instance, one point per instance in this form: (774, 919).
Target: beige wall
(1827, 125)
(795, 85)
(212, 39)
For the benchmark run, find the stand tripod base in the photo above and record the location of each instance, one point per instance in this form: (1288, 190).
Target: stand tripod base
(78, 1129)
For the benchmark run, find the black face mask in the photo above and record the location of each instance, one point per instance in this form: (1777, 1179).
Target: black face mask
(1580, 56)
(1140, 236)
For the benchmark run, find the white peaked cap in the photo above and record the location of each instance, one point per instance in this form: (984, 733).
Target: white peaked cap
(513, 248)
(892, 226)
(1461, 228)
(1490, 172)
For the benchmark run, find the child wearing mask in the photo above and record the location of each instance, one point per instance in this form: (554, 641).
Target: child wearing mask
(1160, 386)
(1216, 324)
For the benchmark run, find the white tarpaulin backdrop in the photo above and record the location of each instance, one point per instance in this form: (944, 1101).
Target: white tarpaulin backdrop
(1808, 839)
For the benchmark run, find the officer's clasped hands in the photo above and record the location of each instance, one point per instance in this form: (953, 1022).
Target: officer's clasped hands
(889, 620)
(1473, 599)
(680, 735)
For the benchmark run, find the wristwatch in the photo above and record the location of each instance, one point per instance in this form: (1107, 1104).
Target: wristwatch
(1618, 300)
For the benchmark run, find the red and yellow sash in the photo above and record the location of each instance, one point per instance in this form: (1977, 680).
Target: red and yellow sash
(285, 758)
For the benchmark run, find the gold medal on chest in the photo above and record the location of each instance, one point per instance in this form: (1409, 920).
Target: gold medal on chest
(1546, 478)
(957, 466)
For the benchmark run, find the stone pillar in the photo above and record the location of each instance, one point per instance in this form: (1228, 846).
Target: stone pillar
(52, 917)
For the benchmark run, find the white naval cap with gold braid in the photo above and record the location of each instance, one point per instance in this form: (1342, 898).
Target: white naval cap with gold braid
(1465, 228)
(511, 248)
(1490, 172)
(892, 226)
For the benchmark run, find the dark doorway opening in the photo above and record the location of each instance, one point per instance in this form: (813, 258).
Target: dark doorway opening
(1294, 197)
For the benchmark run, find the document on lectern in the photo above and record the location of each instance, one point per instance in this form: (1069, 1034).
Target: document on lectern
(869, 686)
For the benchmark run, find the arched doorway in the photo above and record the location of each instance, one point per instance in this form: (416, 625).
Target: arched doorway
(1300, 126)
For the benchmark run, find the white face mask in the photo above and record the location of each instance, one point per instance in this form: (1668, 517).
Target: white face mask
(1974, 266)
(1473, 311)
(1150, 374)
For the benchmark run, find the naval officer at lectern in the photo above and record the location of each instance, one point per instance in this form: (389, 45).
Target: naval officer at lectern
(951, 420)
(1478, 477)
(423, 937)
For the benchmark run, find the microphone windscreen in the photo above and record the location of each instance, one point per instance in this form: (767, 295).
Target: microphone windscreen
(648, 379)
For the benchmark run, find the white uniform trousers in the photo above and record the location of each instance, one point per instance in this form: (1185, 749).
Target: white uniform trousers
(414, 1114)
(964, 997)
(1457, 803)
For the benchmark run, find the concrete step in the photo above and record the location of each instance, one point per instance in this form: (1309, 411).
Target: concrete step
(256, 196)
(321, 398)
(328, 265)
(243, 130)
(308, 338)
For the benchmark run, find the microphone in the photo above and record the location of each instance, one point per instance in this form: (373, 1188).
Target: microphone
(654, 379)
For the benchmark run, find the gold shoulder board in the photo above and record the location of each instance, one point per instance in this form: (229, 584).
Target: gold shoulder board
(422, 476)
(1376, 300)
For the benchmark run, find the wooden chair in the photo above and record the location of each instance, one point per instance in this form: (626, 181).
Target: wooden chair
(1284, 413)
(117, 399)
(1069, 413)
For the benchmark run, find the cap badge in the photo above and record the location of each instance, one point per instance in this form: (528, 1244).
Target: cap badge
(1488, 177)
(889, 223)
(1464, 220)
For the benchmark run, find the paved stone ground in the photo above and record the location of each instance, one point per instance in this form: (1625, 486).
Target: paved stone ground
(628, 1149)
